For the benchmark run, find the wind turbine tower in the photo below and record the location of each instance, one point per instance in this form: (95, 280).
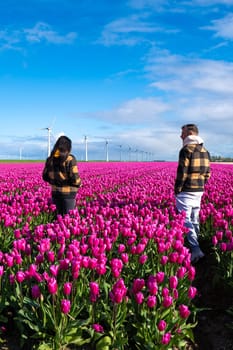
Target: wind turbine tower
(20, 152)
(106, 145)
(85, 140)
(49, 139)
(120, 151)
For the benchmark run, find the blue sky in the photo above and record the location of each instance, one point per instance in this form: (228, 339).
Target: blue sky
(126, 74)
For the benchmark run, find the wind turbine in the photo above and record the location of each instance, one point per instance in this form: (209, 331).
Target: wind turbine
(49, 129)
(49, 139)
(85, 140)
(106, 147)
(120, 151)
(20, 152)
(130, 149)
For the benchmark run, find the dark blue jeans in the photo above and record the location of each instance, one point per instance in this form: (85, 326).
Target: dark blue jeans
(63, 204)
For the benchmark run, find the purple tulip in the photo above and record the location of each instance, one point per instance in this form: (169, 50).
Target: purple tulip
(52, 285)
(152, 285)
(65, 306)
(223, 247)
(94, 291)
(214, 240)
(139, 297)
(125, 258)
(173, 282)
(67, 288)
(138, 284)
(35, 290)
(118, 292)
(166, 338)
(151, 301)
(184, 311)
(9, 260)
(98, 328)
(54, 270)
(165, 292)
(162, 325)
(160, 277)
(167, 301)
(51, 256)
(175, 293)
(121, 248)
(192, 291)
(143, 259)
(164, 260)
(181, 272)
(191, 273)
(20, 276)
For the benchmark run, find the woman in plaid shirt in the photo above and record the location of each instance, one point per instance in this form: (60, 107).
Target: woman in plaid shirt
(61, 172)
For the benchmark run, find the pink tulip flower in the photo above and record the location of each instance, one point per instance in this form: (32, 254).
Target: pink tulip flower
(223, 247)
(192, 291)
(138, 284)
(52, 285)
(164, 259)
(67, 288)
(151, 301)
(139, 297)
(181, 272)
(162, 325)
(143, 259)
(152, 285)
(35, 290)
(173, 282)
(20, 276)
(98, 328)
(160, 277)
(167, 301)
(121, 248)
(65, 306)
(54, 269)
(118, 292)
(165, 292)
(166, 338)
(191, 273)
(94, 288)
(184, 311)
(51, 256)
(125, 258)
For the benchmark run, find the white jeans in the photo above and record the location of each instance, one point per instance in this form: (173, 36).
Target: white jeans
(190, 202)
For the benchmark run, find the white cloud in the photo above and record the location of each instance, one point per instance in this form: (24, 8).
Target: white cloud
(128, 31)
(222, 27)
(136, 111)
(174, 6)
(9, 40)
(140, 4)
(212, 2)
(189, 76)
(41, 32)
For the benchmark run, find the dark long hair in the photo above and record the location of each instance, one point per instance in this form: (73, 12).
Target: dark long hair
(63, 145)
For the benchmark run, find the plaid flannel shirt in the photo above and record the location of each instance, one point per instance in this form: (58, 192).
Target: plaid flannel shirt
(193, 169)
(64, 178)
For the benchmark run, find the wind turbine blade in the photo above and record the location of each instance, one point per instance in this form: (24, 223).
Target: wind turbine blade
(53, 122)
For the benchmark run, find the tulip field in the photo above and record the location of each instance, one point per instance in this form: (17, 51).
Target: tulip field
(116, 272)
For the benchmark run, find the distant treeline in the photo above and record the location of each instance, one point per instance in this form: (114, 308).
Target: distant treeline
(221, 159)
